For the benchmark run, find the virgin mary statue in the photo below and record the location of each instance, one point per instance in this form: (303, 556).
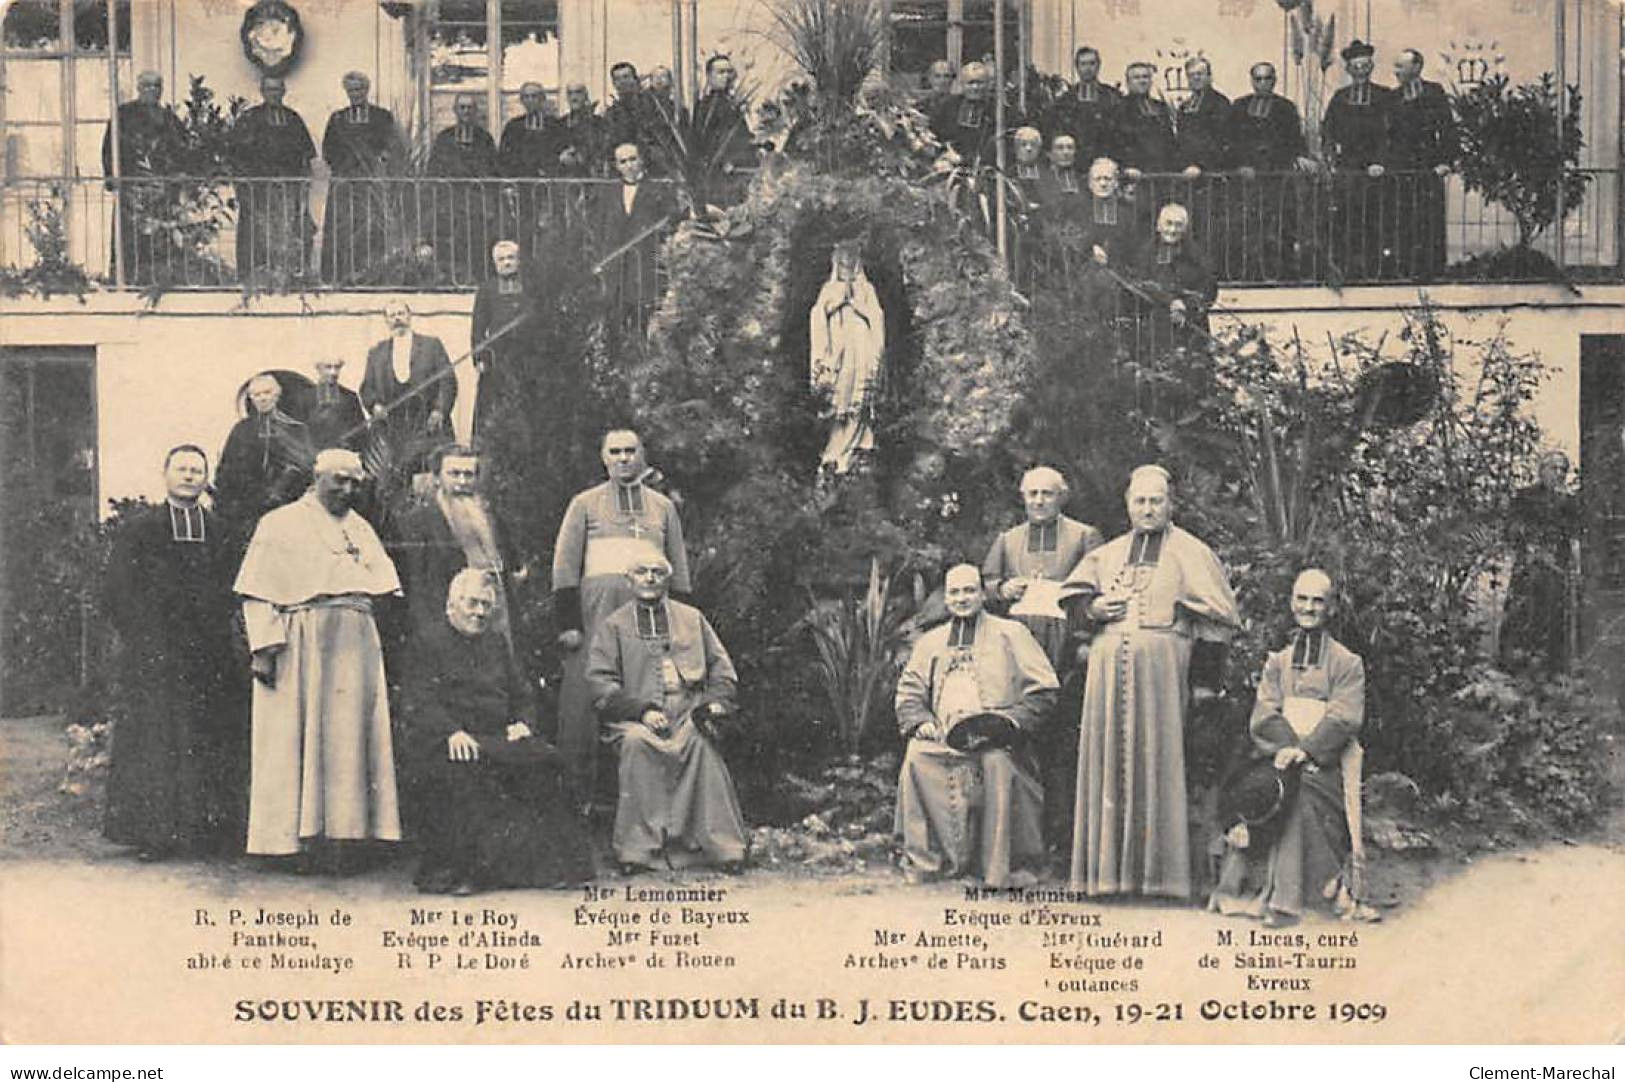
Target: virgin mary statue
(848, 352)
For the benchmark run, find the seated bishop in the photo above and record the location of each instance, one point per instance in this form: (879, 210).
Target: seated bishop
(969, 801)
(664, 689)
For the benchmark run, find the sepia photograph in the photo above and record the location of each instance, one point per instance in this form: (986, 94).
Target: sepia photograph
(791, 522)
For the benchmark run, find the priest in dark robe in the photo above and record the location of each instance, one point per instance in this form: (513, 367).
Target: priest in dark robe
(507, 364)
(491, 810)
(1202, 122)
(453, 529)
(530, 142)
(151, 145)
(939, 83)
(976, 812)
(1108, 236)
(175, 782)
(629, 221)
(582, 137)
(271, 149)
(1544, 528)
(529, 151)
(1151, 595)
(362, 226)
(628, 117)
(1088, 111)
(1178, 285)
(602, 531)
(462, 200)
(409, 390)
(266, 461)
(664, 687)
(336, 418)
(1023, 188)
(964, 121)
(1145, 128)
(1355, 135)
(1044, 549)
(1422, 150)
(670, 120)
(1265, 137)
(323, 759)
(1061, 192)
(1308, 711)
(722, 134)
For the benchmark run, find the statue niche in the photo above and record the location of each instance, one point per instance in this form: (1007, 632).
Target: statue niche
(847, 334)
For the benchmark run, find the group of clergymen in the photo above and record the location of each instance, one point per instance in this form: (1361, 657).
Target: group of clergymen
(1227, 163)
(457, 756)
(447, 223)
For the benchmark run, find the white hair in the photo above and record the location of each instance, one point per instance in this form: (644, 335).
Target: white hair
(1312, 575)
(1042, 475)
(469, 581)
(334, 459)
(1149, 474)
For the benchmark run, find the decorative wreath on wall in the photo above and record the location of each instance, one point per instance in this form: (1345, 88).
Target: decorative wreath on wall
(272, 36)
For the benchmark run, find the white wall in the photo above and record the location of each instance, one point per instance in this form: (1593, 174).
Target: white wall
(1541, 319)
(171, 375)
(181, 38)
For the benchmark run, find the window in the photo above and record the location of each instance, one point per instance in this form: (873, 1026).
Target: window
(958, 31)
(56, 103)
(461, 33)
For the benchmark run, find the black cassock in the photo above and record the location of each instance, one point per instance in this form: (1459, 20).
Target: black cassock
(1421, 137)
(362, 226)
(273, 216)
(1146, 141)
(336, 418)
(501, 820)
(1168, 273)
(1355, 133)
(1202, 141)
(1088, 113)
(266, 463)
(1264, 134)
(462, 202)
(723, 136)
(177, 778)
(152, 143)
(529, 151)
(507, 366)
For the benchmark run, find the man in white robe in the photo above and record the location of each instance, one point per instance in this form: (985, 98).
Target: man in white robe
(322, 764)
(979, 811)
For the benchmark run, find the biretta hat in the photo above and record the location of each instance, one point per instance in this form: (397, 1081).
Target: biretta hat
(1357, 48)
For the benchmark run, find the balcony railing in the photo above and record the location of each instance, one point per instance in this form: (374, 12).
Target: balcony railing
(280, 234)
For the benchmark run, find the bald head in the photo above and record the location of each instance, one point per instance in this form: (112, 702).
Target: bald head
(1149, 499)
(962, 590)
(1311, 598)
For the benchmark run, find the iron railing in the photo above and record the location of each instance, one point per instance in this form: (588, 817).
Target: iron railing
(1349, 228)
(426, 233)
(342, 233)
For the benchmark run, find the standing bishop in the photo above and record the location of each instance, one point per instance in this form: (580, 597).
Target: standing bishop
(323, 766)
(1152, 593)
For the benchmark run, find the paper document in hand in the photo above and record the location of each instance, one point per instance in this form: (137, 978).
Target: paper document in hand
(1043, 598)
